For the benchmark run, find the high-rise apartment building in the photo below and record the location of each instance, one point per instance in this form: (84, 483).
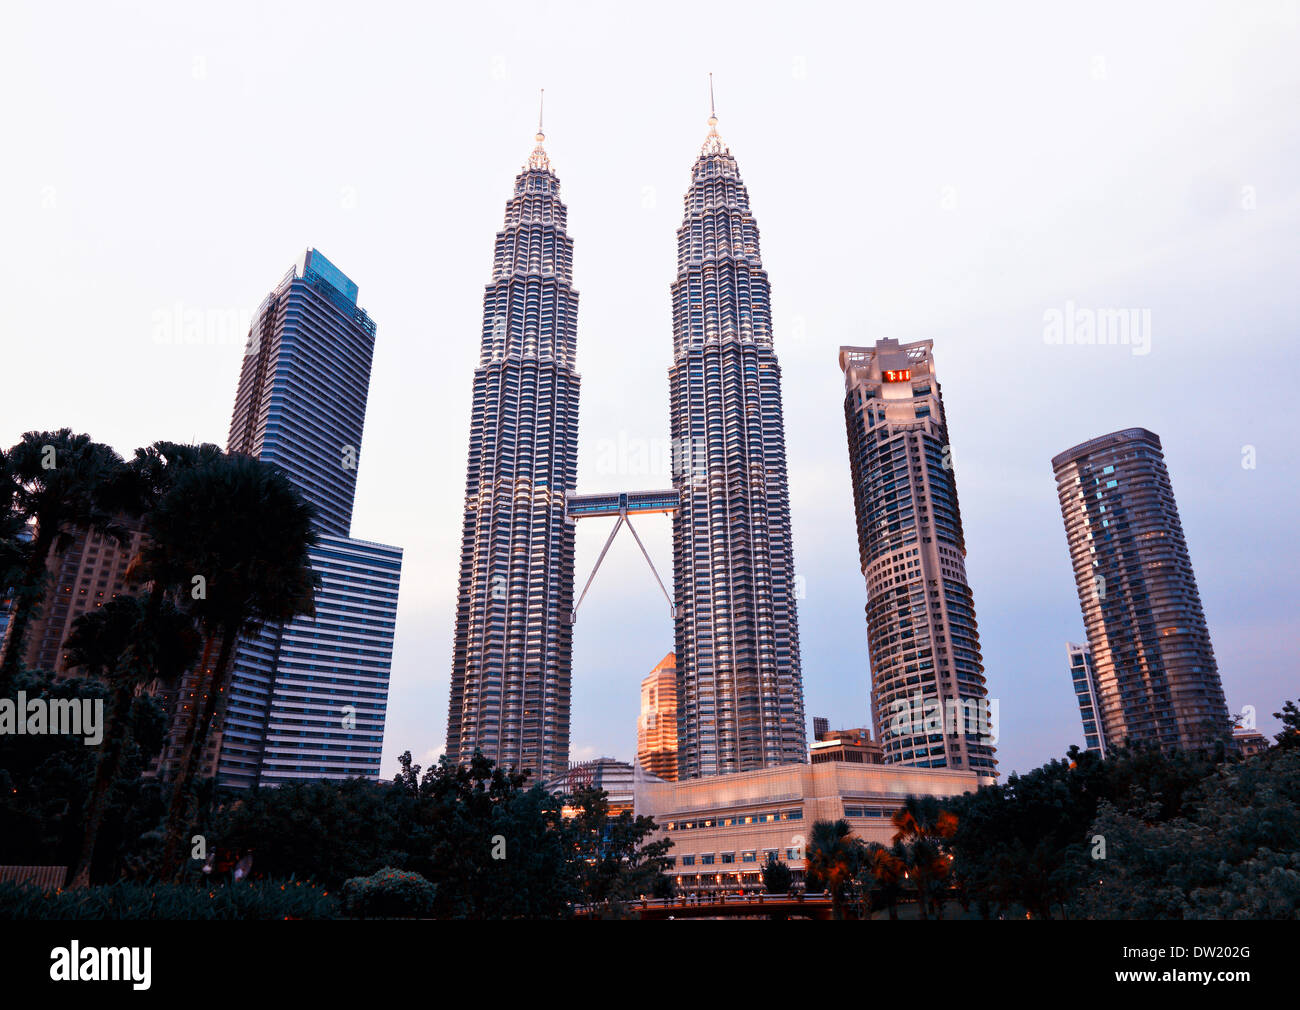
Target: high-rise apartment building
(512, 655)
(656, 731)
(1156, 677)
(740, 689)
(83, 577)
(308, 699)
(1084, 678)
(930, 707)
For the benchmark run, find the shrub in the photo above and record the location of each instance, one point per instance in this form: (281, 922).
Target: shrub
(776, 876)
(263, 899)
(389, 892)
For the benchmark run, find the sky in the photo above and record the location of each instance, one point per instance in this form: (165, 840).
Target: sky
(947, 172)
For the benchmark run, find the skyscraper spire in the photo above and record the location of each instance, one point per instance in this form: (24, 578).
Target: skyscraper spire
(713, 143)
(539, 159)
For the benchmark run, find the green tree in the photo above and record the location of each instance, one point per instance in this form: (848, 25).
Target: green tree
(1290, 735)
(887, 869)
(1230, 853)
(126, 642)
(495, 848)
(834, 858)
(776, 876)
(323, 830)
(613, 861)
(922, 830)
(235, 534)
(45, 782)
(64, 483)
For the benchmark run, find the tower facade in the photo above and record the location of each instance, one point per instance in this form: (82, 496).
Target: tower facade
(1156, 677)
(739, 685)
(656, 733)
(301, 402)
(1084, 678)
(929, 702)
(308, 699)
(512, 656)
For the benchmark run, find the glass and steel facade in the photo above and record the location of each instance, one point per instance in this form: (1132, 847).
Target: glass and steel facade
(1157, 681)
(739, 684)
(929, 701)
(656, 731)
(301, 402)
(308, 699)
(512, 653)
(313, 695)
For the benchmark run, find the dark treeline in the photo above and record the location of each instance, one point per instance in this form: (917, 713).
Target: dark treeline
(1142, 834)
(224, 544)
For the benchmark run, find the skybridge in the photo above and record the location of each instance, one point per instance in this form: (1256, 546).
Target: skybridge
(622, 504)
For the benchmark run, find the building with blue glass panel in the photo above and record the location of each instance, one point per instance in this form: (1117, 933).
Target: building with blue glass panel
(301, 402)
(308, 699)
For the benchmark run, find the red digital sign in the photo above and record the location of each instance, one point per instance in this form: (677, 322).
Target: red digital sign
(905, 375)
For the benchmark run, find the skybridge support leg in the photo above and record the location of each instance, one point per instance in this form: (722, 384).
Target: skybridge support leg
(573, 617)
(646, 554)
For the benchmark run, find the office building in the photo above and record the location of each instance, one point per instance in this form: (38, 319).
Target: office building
(853, 746)
(301, 401)
(616, 778)
(307, 699)
(656, 732)
(512, 654)
(724, 828)
(739, 686)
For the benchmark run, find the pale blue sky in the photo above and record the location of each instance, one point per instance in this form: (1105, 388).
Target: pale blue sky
(939, 171)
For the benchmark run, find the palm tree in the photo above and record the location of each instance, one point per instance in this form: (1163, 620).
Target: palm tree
(834, 857)
(127, 641)
(14, 548)
(921, 829)
(236, 533)
(887, 870)
(140, 642)
(65, 483)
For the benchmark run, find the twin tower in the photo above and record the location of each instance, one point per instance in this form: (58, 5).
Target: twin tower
(739, 686)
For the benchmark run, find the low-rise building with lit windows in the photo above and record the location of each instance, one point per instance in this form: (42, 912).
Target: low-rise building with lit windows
(725, 827)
